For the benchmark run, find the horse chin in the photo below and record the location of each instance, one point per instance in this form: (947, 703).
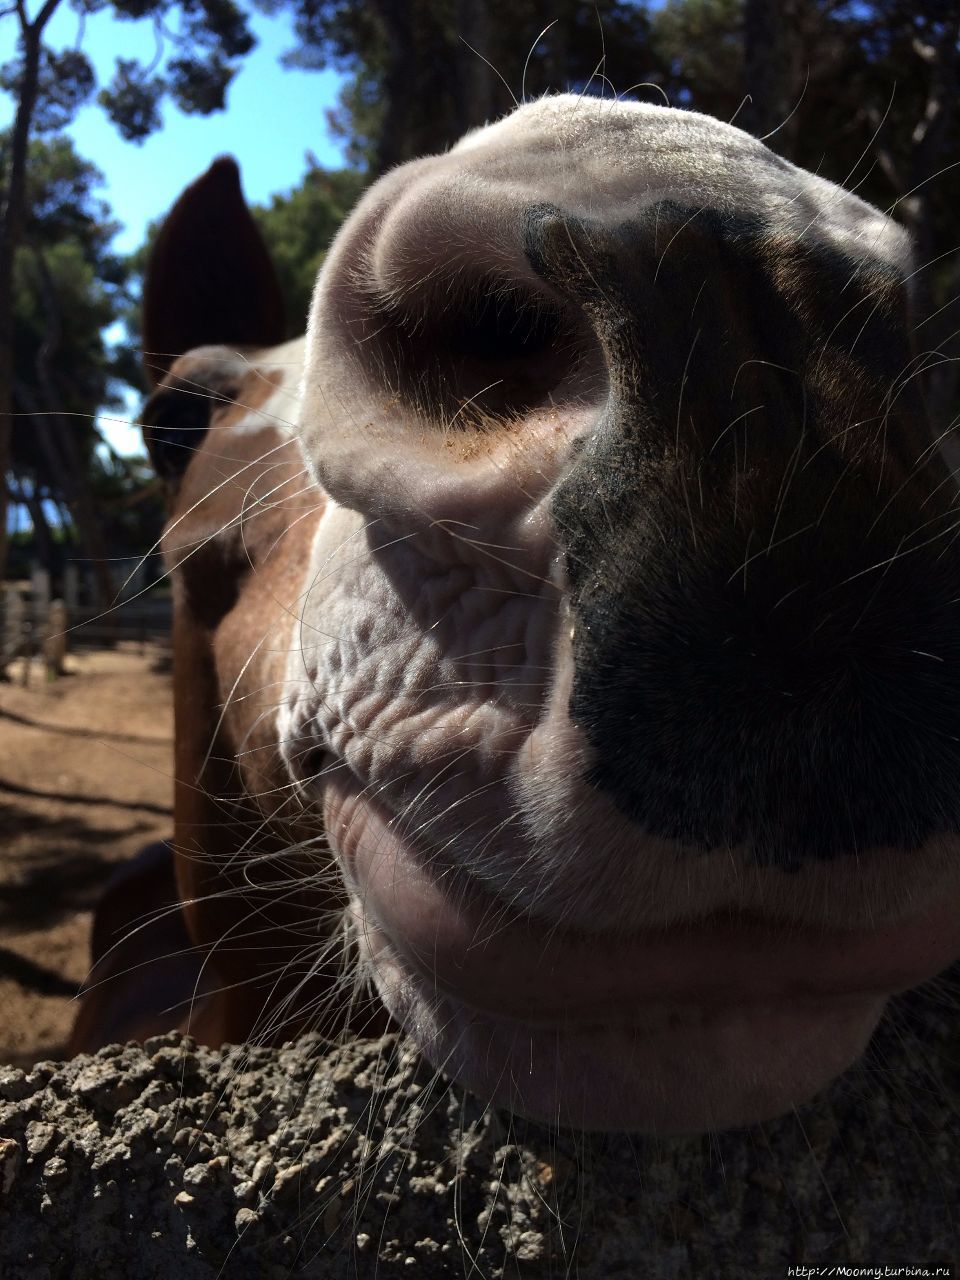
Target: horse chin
(667, 1068)
(711, 1023)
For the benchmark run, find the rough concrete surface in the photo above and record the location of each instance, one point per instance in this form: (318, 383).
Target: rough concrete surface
(167, 1161)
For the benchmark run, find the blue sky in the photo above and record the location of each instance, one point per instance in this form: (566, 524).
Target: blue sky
(273, 118)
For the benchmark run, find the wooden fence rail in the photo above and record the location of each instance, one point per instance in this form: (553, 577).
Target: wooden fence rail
(31, 626)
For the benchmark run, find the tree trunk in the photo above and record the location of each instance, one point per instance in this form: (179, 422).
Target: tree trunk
(68, 477)
(771, 57)
(433, 86)
(473, 91)
(13, 201)
(43, 538)
(930, 135)
(401, 83)
(61, 446)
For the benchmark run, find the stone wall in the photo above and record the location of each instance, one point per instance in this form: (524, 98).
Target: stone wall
(169, 1162)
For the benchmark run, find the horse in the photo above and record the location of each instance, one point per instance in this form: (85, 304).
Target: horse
(566, 630)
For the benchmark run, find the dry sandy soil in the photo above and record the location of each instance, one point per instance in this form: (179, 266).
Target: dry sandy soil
(85, 781)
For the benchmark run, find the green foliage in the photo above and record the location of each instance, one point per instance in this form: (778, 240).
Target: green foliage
(696, 49)
(298, 229)
(357, 119)
(199, 88)
(62, 199)
(203, 54)
(200, 44)
(330, 33)
(67, 288)
(81, 369)
(65, 263)
(132, 100)
(66, 82)
(131, 500)
(424, 71)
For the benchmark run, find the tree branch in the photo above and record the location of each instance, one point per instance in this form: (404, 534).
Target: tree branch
(883, 153)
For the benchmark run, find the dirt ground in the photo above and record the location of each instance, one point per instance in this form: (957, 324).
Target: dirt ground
(85, 781)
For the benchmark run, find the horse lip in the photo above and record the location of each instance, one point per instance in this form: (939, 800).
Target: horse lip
(452, 933)
(683, 1010)
(564, 983)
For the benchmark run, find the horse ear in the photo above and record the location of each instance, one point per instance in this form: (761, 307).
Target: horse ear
(209, 277)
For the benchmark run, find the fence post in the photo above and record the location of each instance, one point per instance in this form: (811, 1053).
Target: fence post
(40, 595)
(71, 586)
(13, 625)
(55, 639)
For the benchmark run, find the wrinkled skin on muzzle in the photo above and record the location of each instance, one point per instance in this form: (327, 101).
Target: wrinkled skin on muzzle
(626, 672)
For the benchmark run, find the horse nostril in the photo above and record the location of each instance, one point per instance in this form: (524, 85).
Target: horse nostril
(504, 328)
(477, 349)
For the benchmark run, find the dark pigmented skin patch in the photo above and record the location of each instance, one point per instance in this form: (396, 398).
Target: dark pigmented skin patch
(766, 643)
(176, 416)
